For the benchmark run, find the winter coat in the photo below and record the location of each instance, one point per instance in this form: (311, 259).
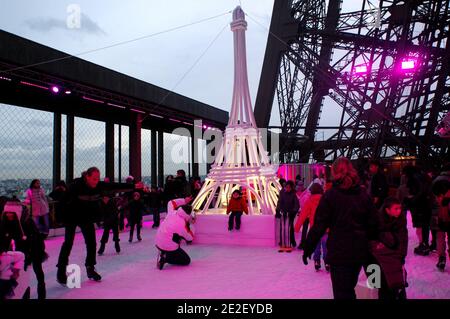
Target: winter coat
(172, 229)
(379, 187)
(393, 234)
(237, 205)
(84, 201)
(419, 200)
(38, 201)
(182, 188)
(351, 218)
(174, 204)
(109, 213)
(61, 198)
(287, 203)
(136, 209)
(154, 200)
(308, 211)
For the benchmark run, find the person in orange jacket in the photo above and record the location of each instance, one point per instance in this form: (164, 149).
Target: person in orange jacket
(308, 212)
(236, 206)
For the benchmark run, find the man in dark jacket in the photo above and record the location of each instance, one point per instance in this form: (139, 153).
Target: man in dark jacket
(379, 188)
(83, 211)
(348, 212)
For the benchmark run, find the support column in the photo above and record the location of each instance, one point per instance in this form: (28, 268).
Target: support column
(160, 158)
(70, 142)
(153, 162)
(135, 147)
(56, 148)
(109, 150)
(194, 155)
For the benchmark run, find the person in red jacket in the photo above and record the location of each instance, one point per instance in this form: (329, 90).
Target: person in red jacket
(236, 206)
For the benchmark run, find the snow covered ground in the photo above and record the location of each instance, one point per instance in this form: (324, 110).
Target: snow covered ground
(218, 272)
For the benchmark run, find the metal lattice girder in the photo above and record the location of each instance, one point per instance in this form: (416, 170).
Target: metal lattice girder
(380, 105)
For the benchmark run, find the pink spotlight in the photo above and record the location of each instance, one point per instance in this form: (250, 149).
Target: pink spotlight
(360, 69)
(408, 64)
(55, 89)
(205, 127)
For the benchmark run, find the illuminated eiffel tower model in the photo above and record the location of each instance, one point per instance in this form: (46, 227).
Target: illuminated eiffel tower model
(242, 161)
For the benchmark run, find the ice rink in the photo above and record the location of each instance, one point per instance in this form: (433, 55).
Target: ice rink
(217, 272)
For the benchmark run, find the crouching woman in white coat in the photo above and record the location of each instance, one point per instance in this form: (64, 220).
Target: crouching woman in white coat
(169, 236)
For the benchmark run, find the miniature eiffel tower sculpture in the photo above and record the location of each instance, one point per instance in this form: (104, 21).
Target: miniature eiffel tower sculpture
(242, 161)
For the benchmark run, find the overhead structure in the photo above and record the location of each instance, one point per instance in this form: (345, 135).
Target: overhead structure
(372, 82)
(242, 161)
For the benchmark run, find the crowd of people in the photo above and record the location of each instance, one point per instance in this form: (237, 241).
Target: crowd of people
(346, 220)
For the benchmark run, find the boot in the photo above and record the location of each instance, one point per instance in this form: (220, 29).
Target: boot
(101, 249)
(327, 267)
(441, 263)
(42, 292)
(61, 275)
(92, 274)
(139, 238)
(117, 246)
(161, 261)
(317, 265)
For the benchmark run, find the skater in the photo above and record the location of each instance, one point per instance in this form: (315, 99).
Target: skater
(441, 215)
(110, 214)
(169, 236)
(154, 203)
(378, 186)
(287, 208)
(236, 206)
(38, 203)
(136, 208)
(302, 199)
(85, 195)
(307, 212)
(390, 248)
(18, 227)
(348, 212)
(419, 203)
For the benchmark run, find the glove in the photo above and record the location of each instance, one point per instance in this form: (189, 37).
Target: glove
(305, 258)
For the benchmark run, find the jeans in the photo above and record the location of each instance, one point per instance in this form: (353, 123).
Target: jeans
(234, 216)
(344, 279)
(107, 229)
(88, 231)
(321, 248)
(177, 257)
(441, 246)
(138, 225)
(156, 216)
(42, 223)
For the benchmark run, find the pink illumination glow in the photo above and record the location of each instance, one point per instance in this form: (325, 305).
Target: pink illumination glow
(360, 69)
(174, 120)
(115, 105)
(55, 89)
(4, 78)
(187, 123)
(408, 64)
(34, 85)
(155, 115)
(92, 100)
(68, 92)
(138, 111)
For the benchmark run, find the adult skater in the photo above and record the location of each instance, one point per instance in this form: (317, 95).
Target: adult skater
(287, 208)
(348, 211)
(85, 195)
(169, 236)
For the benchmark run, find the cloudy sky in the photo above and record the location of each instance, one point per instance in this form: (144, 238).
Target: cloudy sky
(163, 60)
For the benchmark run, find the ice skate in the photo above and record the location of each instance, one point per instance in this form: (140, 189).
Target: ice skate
(422, 250)
(61, 276)
(117, 246)
(327, 267)
(317, 265)
(441, 263)
(139, 238)
(101, 249)
(92, 274)
(288, 249)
